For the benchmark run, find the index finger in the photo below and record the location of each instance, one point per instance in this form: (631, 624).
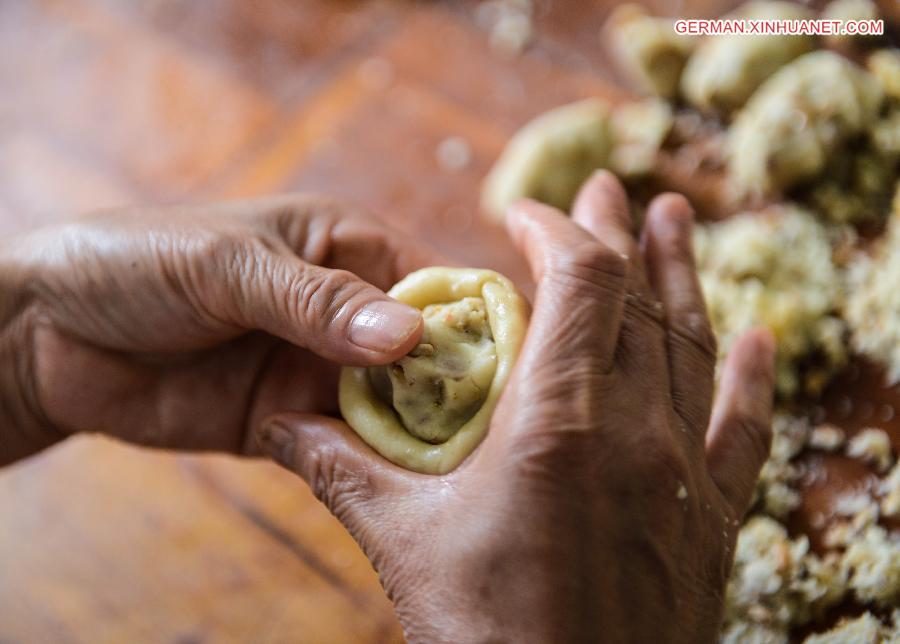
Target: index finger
(334, 234)
(602, 209)
(580, 281)
(378, 253)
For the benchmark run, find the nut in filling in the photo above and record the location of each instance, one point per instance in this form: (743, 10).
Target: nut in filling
(440, 385)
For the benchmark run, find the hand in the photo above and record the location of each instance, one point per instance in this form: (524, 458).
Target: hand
(604, 503)
(185, 327)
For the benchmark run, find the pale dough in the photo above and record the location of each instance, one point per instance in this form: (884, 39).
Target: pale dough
(799, 119)
(725, 70)
(429, 410)
(550, 157)
(648, 49)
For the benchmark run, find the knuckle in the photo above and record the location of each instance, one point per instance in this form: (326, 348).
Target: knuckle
(333, 484)
(695, 330)
(246, 267)
(323, 476)
(318, 465)
(212, 249)
(591, 259)
(238, 261)
(321, 295)
(590, 265)
(306, 223)
(557, 458)
(205, 268)
(658, 459)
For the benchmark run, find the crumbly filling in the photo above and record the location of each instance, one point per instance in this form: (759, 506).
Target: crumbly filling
(775, 494)
(873, 301)
(775, 269)
(890, 493)
(865, 629)
(443, 382)
(798, 120)
(873, 446)
(827, 438)
(777, 583)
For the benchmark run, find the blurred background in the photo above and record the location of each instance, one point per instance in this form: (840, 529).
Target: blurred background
(399, 106)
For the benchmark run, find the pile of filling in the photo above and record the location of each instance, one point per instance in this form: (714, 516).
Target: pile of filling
(779, 583)
(775, 269)
(872, 306)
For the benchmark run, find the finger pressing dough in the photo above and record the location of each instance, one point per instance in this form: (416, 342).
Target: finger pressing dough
(550, 157)
(430, 409)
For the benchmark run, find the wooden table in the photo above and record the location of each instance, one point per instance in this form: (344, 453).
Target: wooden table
(111, 102)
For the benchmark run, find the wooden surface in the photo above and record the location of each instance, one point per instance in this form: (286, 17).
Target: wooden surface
(113, 102)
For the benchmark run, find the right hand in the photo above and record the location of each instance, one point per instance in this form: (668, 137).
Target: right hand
(604, 503)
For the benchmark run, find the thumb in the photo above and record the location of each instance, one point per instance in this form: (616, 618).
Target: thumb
(331, 312)
(740, 431)
(351, 480)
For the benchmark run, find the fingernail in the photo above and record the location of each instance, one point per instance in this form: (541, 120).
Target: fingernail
(676, 223)
(384, 325)
(278, 442)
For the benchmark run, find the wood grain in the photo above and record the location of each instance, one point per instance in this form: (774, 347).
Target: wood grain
(106, 543)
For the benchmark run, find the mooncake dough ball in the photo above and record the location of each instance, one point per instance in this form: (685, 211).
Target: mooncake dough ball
(550, 157)
(797, 120)
(639, 130)
(725, 70)
(845, 10)
(648, 49)
(429, 410)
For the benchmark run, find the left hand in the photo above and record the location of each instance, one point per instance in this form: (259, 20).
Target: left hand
(184, 327)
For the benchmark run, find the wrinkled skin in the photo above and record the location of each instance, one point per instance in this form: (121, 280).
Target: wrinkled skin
(187, 329)
(566, 524)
